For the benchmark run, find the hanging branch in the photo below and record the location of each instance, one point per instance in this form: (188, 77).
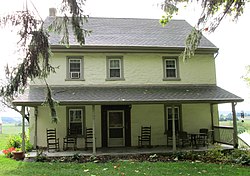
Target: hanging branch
(213, 12)
(35, 46)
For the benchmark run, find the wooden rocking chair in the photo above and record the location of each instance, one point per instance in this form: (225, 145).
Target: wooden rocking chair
(88, 137)
(52, 140)
(145, 137)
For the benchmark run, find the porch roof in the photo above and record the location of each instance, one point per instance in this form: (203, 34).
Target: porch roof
(36, 95)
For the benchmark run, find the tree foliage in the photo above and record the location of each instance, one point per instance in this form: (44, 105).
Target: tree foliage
(212, 13)
(34, 44)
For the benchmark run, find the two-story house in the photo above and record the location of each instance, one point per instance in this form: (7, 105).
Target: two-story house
(127, 75)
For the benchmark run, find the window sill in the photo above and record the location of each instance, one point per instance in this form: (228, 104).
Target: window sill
(114, 79)
(171, 79)
(68, 79)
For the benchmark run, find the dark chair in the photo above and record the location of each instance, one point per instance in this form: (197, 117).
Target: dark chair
(183, 139)
(203, 137)
(88, 137)
(145, 137)
(169, 137)
(71, 138)
(52, 140)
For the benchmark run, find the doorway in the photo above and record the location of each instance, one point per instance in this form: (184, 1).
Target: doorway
(116, 126)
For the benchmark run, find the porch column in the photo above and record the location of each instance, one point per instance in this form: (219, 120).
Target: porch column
(23, 128)
(235, 135)
(35, 135)
(93, 126)
(212, 120)
(173, 128)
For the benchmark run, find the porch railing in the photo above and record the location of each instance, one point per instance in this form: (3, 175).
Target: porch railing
(223, 134)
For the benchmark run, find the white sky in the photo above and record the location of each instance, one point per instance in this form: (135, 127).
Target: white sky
(231, 38)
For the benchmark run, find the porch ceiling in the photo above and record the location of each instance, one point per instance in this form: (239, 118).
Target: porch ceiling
(35, 95)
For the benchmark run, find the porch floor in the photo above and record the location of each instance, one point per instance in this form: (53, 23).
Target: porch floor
(122, 151)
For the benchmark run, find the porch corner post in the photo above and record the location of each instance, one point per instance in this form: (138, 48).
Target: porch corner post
(173, 129)
(93, 126)
(235, 136)
(23, 128)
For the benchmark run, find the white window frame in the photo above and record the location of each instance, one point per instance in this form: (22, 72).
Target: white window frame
(109, 68)
(70, 59)
(175, 68)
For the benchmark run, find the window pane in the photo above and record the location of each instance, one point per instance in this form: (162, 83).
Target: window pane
(115, 119)
(114, 63)
(169, 118)
(116, 133)
(171, 69)
(170, 63)
(171, 73)
(75, 115)
(75, 128)
(115, 73)
(74, 65)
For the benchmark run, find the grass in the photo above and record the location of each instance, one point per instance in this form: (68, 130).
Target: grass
(121, 168)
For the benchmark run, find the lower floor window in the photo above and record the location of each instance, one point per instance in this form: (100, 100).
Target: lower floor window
(76, 121)
(169, 118)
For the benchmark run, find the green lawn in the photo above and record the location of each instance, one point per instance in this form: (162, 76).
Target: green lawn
(122, 168)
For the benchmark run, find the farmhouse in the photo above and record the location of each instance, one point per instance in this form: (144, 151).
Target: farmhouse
(129, 75)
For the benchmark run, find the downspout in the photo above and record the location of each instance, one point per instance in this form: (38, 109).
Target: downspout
(35, 135)
(212, 121)
(93, 126)
(235, 135)
(23, 128)
(173, 129)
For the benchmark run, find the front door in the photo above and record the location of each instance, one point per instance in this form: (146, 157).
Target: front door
(116, 125)
(116, 128)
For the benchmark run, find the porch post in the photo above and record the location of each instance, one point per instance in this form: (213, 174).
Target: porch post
(23, 128)
(173, 128)
(212, 120)
(93, 126)
(235, 136)
(35, 135)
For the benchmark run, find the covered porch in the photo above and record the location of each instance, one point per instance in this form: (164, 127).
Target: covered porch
(139, 106)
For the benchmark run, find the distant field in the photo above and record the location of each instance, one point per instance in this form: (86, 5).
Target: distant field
(11, 129)
(8, 130)
(245, 124)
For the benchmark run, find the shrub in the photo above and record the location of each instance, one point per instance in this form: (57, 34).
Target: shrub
(240, 156)
(16, 142)
(215, 155)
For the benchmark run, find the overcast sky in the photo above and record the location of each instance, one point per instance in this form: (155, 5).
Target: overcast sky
(231, 38)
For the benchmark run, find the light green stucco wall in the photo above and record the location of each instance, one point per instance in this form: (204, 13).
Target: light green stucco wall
(194, 117)
(138, 69)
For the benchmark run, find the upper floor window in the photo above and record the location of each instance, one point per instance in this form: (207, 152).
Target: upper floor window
(171, 69)
(76, 119)
(75, 68)
(115, 68)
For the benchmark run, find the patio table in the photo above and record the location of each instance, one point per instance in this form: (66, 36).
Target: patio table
(193, 138)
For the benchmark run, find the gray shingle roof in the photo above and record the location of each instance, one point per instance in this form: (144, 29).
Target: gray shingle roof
(133, 32)
(129, 94)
